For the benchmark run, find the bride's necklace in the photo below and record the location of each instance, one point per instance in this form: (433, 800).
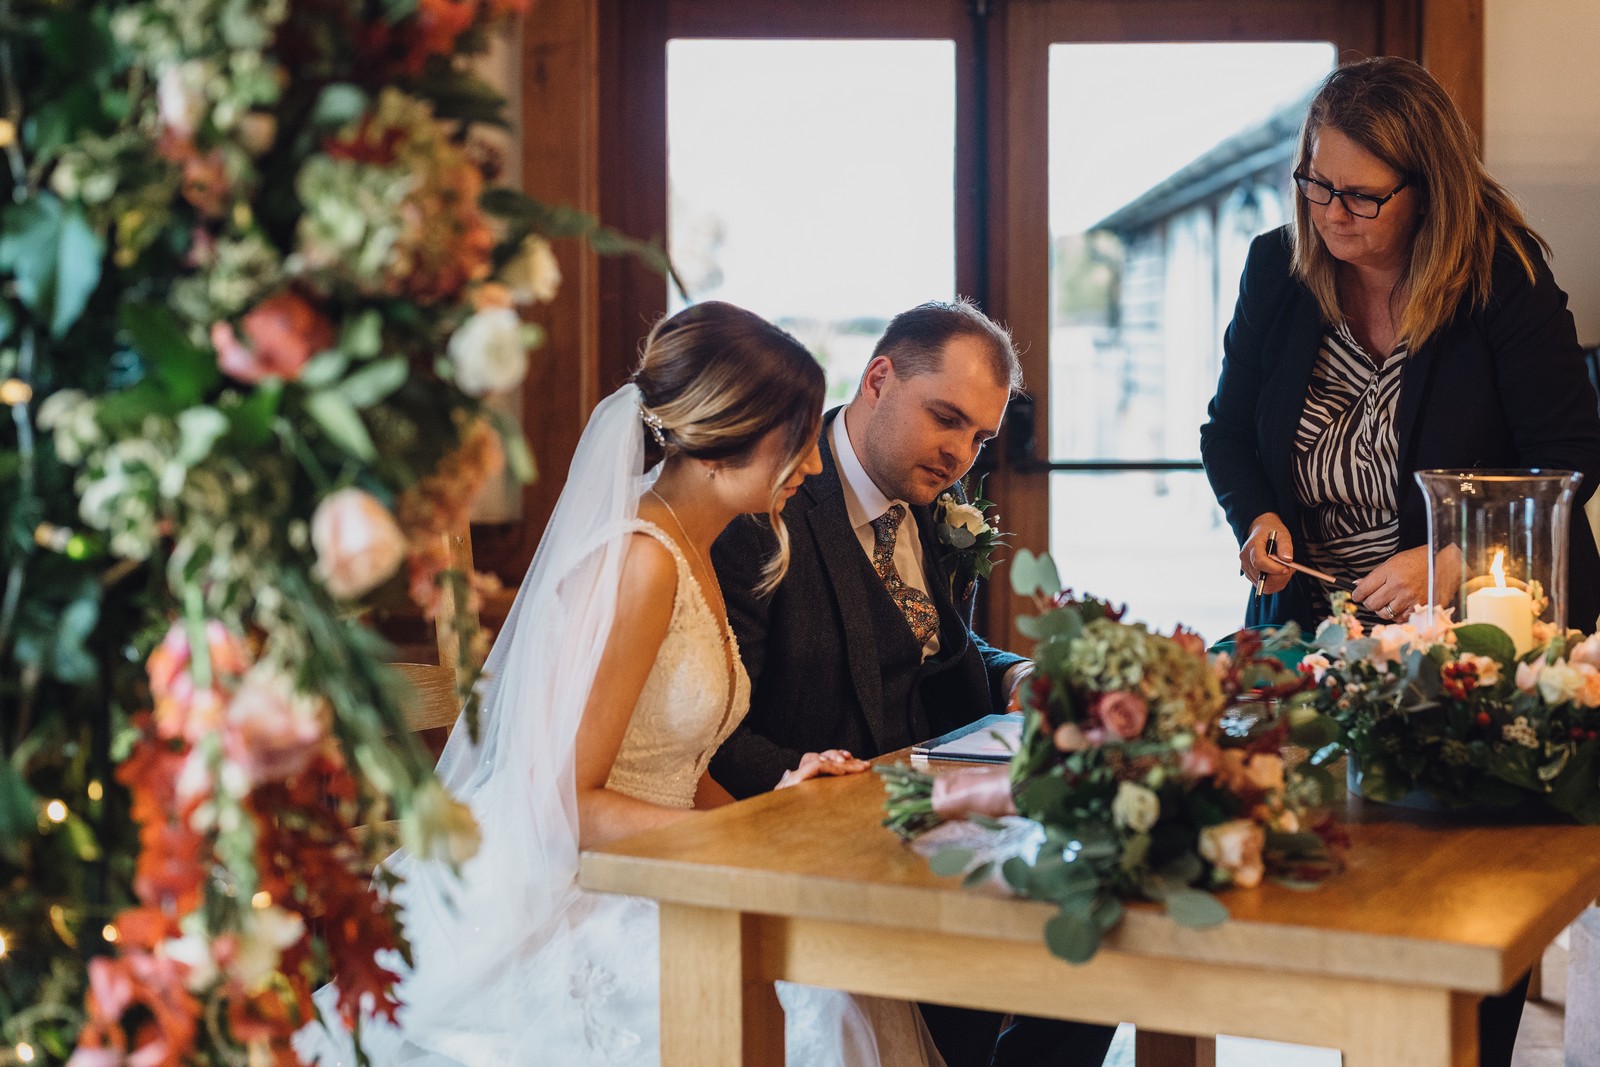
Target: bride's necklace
(724, 632)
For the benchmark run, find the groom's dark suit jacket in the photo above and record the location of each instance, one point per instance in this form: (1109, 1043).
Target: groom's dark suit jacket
(832, 662)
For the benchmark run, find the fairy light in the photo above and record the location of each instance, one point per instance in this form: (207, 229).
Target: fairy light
(262, 899)
(15, 391)
(111, 934)
(95, 790)
(56, 811)
(3, 946)
(24, 1052)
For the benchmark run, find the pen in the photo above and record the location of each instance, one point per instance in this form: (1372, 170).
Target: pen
(1272, 553)
(1321, 576)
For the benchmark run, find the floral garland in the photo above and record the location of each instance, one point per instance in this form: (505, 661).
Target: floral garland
(253, 289)
(1450, 709)
(1151, 772)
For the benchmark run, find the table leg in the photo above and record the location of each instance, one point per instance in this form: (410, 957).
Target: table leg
(1151, 1049)
(713, 1014)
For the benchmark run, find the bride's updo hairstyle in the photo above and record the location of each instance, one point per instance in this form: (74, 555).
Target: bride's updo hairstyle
(715, 379)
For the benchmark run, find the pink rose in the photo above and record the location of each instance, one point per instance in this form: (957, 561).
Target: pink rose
(1069, 737)
(1123, 713)
(1586, 651)
(1201, 759)
(182, 709)
(95, 1057)
(973, 791)
(1234, 848)
(358, 543)
(1528, 675)
(111, 987)
(272, 732)
(281, 334)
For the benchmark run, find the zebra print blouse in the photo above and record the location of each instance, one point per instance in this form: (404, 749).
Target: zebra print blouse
(1346, 462)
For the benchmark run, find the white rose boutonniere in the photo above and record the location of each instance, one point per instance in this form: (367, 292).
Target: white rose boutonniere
(969, 534)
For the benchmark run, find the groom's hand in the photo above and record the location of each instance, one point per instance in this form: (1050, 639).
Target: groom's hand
(814, 764)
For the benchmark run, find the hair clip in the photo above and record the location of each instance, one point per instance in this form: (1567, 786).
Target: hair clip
(652, 420)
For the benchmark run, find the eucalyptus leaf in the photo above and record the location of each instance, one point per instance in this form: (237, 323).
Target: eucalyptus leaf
(342, 423)
(959, 538)
(1062, 622)
(1032, 574)
(1016, 872)
(950, 861)
(198, 429)
(1193, 908)
(339, 104)
(978, 874)
(374, 382)
(363, 337)
(1073, 936)
(323, 369)
(55, 256)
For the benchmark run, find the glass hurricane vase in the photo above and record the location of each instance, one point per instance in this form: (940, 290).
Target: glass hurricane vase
(1499, 546)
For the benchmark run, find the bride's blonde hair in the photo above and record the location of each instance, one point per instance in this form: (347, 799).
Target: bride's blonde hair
(714, 380)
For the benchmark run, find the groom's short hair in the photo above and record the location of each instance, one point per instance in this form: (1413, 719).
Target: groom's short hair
(915, 340)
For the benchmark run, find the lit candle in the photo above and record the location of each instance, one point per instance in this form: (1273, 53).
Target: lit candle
(1504, 606)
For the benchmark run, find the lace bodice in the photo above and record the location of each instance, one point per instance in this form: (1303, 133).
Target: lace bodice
(685, 710)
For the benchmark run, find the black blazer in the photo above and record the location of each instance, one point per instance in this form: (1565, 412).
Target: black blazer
(1499, 386)
(811, 651)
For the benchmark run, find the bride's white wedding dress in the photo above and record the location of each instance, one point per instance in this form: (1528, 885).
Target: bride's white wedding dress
(584, 988)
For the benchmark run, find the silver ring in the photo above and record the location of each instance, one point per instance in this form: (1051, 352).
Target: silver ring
(1387, 612)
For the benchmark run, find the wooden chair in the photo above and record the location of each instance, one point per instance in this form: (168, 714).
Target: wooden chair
(436, 706)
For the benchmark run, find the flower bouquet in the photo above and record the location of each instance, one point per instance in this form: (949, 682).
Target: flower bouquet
(1451, 710)
(1152, 773)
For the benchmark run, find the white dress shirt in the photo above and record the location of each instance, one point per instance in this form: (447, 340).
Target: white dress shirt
(864, 502)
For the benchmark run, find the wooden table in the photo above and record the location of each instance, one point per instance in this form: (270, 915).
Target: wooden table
(1386, 962)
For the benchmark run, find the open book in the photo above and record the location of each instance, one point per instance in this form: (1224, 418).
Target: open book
(992, 739)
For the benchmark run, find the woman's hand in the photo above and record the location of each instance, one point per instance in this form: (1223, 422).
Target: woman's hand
(1253, 559)
(813, 764)
(1397, 585)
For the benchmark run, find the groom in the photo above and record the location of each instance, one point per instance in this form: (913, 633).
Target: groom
(862, 647)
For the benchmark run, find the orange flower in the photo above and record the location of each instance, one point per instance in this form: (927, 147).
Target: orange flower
(283, 332)
(181, 709)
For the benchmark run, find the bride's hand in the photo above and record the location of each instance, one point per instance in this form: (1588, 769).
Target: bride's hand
(814, 764)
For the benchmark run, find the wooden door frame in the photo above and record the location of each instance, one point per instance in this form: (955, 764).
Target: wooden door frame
(596, 140)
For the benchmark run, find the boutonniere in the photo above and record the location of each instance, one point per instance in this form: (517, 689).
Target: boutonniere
(969, 534)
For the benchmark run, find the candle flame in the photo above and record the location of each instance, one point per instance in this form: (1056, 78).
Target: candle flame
(1498, 568)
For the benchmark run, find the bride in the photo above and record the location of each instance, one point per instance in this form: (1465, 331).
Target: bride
(613, 681)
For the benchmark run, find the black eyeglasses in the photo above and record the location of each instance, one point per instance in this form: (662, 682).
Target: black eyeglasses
(1361, 205)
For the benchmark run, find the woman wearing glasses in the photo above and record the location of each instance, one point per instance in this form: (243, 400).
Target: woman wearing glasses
(1405, 320)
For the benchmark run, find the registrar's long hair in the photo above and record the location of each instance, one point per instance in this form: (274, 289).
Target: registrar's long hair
(1400, 113)
(721, 378)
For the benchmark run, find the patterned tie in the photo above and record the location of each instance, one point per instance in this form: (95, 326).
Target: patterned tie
(913, 603)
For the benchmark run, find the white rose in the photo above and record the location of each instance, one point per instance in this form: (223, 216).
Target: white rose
(438, 827)
(1559, 683)
(1135, 807)
(266, 932)
(533, 273)
(358, 543)
(967, 518)
(181, 96)
(489, 353)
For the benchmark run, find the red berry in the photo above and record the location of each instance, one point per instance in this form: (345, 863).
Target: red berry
(1577, 733)
(1483, 718)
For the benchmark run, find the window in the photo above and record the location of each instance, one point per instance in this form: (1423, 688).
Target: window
(813, 182)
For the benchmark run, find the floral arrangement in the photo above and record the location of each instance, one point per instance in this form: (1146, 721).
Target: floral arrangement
(254, 286)
(1450, 709)
(964, 525)
(1152, 772)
